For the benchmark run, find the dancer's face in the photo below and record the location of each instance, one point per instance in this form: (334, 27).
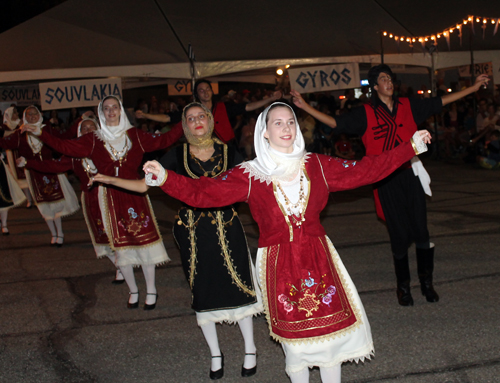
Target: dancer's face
(197, 121)
(204, 92)
(87, 127)
(281, 129)
(112, 111)
(32, 116)
(384, 86)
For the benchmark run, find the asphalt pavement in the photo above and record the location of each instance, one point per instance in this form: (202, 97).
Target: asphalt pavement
(61, 319)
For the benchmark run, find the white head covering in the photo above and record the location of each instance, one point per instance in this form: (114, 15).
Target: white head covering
(270, 164)
(38, 124)
(7, 118)
(112, 133)
(79, 131)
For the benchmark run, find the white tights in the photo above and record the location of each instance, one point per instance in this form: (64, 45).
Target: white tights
(246, 327)
(328, 375)
(149, 275)
(55, 227)
(3, 216)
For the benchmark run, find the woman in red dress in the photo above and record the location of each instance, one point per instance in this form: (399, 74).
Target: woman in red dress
(129, 222)
(311, 304)
(52, 193)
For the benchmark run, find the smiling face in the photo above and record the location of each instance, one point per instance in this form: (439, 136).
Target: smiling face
(197, 121)
(32, 115)
(384, 86)
(87, 127)
(112, 111)
(281, 129)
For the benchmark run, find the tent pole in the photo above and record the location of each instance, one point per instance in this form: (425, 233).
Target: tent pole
(472, 77)
(381, 47)
(434, 92)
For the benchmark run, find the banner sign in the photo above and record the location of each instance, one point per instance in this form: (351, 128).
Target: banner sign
(321, 78)
(183, 88)
(72, 94)
(481, 68)
(20, 95)
(496, 72)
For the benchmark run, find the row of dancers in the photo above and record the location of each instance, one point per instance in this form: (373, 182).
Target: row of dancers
(299, 282)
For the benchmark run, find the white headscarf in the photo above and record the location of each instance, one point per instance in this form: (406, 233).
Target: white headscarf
(270, 164)
(34, 141)
(7, 118)
(79, 131)
(112, 133)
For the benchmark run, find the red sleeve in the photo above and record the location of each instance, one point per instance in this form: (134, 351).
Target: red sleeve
(230, 187)
(343, 174)
(80, 147)
(152, 142)
(12, 141)
(61, 165)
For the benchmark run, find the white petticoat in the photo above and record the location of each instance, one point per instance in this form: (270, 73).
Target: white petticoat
(353, 346)
(154, 254)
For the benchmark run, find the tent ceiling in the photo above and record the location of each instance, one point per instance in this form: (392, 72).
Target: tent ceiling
(108, 37)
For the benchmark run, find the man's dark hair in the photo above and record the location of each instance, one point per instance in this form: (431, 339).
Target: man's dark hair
(374, 72)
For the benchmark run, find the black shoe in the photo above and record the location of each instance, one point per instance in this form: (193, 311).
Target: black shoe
(133, 305)
(428, 291)
(214, 375)
(150, 307)
(118, 281)
(404, 294)
(246, 372)
(5, 231)
(425, 265)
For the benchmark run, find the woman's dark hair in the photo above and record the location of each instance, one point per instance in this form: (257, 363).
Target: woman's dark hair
(375, 71)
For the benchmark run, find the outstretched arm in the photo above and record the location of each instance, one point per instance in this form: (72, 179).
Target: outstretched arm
(259, 104)
(138, 186)
(452, 97)
(228, 188)
(320, 116)
(165, 118)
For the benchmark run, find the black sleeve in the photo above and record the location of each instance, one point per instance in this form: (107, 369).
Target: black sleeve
(422, 109)
(353, 122)
(233, 109)
(169, 160)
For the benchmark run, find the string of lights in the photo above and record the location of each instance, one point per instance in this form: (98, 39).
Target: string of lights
(447, 32)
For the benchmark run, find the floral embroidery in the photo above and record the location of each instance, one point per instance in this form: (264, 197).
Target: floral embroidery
(308, 299)
(345, 163)
(50, 185)
(224, 177)
(135, 222)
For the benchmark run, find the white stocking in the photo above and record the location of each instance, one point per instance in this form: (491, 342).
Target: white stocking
(3, 216)
(210, 334)
(52, 227)
(128, 274)
(28, 195)
(112, 258)
(58, 223)
(149, 275)
(330, 374)
(246, 327)
(300, 377)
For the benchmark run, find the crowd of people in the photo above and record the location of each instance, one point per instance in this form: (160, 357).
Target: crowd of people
(214, 153)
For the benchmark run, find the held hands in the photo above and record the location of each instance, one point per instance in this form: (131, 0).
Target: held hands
(277, 95)
(297, 99)
(481, 80)
(153, 168)
(425, 136)
(100, 178)
(139, 114)
(21, 162)
(30, 129)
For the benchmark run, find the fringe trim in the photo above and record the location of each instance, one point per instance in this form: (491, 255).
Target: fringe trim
(253, 173)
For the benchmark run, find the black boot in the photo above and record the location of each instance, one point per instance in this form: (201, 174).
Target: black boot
(425, 266)
(403, 280)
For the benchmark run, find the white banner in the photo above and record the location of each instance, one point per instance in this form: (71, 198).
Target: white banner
(69, 94)
(20, 95)
(496, 72)
(321, 78)
(480, 68)
(183, 88)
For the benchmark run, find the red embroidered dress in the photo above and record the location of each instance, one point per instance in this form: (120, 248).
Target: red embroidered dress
(89, 197)
(308, 294)
(129, 217)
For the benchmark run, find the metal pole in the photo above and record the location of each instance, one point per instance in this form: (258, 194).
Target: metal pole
(472, 77)
(433, 90)
(381, 47)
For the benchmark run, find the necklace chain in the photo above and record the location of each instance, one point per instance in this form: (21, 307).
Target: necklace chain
(299, 205)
